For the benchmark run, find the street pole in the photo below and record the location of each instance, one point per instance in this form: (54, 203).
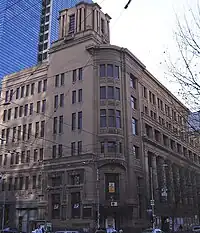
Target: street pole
(152, 198)
(98, 200)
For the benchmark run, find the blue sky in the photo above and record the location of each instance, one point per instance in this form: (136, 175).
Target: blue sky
(146, 29)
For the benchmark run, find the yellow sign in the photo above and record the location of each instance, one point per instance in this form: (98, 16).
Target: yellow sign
(111, 187)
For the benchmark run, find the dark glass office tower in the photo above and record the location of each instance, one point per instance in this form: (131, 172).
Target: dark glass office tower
(27, 29)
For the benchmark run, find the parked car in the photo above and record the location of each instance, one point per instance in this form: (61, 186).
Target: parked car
(195, 228)
(151, 230)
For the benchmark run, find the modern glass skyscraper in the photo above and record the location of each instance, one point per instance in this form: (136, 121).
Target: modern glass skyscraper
(27, 29)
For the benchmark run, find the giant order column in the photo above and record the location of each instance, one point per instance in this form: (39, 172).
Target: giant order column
(183, 185)
(170, 181)
(155, 177)
(176, 178)
(162, 179)
(146, 165)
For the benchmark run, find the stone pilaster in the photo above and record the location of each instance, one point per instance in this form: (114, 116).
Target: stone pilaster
(155, 178)
(147, 172)
(170, 181)
(183, 185)
(176, 178)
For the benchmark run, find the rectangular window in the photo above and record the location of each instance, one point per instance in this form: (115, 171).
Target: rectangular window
(73, 121)
(14, 133)
(27, 183)
(111, 147)
(56, 101)
(112, 190)
(28, 155)
(54, 151)
(80, 74)
(116, 72)
(7, 135)
(80, 95)
(27, 89)
(19, 133)
(80, 120)
(38, 107)
(79, 147)
(36, 129)
(102, 147)
(35, 155)
(60, 150)
(102, 26)
(134, 126)
(133, 103)
(111, 93)
(133, 81)
(73, 148)
(111, 118)
(16, 112)
(5, 160)
(62, 79)
(102, 93)
(24, 133)
(103, 118)
(2, 135)
(6, 96)
(17, 158)
(23, 157)
(9, 114)
(31, 109)
(11, 94)
(136, 152)
(20, 111)
(145, 92)
(55, 122)
(73, 97)
(26, 110)
(74, 76)
(61, 100)
(45, 85)
(4, 115)
(17, 93)
(34, 182)
(60, 124)
(41, 156)
(22, 91)
(29, 130)
(57, 80)
(39, 86)
(43, 106)
(117, 93)
(118, 119)
(71, 23)
(32, 88)
(102, 70)
(42, 129)
(12, 158)
(110, 71)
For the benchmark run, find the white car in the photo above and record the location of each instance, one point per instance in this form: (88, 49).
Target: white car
(151, 230)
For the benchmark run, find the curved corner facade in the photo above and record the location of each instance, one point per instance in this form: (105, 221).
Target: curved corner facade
(88, 137)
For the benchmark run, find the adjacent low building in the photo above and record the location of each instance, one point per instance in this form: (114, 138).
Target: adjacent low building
(91, 137)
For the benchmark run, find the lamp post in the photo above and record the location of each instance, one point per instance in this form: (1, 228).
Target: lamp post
(152, 202)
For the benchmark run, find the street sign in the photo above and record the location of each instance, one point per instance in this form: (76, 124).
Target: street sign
(152, 202)
(113, 203)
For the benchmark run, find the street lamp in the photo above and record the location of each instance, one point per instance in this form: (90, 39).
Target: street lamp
(152, 202)
(164, 189)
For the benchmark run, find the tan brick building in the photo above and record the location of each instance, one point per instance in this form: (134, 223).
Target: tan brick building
(87, 128)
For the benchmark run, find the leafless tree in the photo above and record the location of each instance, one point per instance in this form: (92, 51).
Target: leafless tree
(185, 70)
